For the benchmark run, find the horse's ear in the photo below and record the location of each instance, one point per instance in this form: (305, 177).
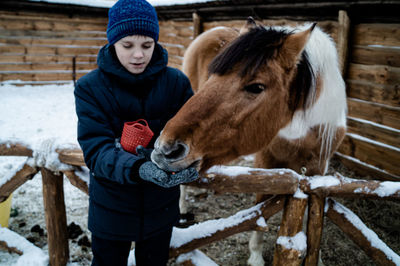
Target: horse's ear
(295, 44)
(250, 24)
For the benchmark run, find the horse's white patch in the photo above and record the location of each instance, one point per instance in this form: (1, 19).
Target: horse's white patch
(329, 110)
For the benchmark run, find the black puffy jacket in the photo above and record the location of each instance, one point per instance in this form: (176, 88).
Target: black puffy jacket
(120, 208)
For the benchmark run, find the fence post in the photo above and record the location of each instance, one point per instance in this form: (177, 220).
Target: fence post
(197, 25)
(314, 229)
(291, 225)
(343, 40)
(56, 219)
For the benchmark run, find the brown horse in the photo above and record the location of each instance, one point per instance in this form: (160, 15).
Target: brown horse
(273, 91)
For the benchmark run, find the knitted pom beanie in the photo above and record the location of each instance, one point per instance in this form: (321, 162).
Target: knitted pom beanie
(132, 17)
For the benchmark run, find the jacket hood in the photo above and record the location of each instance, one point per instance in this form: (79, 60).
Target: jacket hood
(108, 62)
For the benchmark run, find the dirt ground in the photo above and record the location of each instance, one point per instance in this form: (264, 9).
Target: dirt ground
(381, 216)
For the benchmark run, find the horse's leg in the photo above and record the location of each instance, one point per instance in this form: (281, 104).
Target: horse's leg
(256, 241)
(186, 218)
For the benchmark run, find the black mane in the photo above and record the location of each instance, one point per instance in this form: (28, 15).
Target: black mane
(254, 49)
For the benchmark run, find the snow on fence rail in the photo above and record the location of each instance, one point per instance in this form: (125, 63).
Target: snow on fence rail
(292, 192)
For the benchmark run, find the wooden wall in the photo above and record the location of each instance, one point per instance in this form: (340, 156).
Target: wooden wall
(373, 81)
(41, 47)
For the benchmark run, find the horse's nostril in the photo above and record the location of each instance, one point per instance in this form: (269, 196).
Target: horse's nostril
(177, 152)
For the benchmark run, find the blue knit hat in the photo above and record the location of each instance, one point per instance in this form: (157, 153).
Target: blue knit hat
(132, 17)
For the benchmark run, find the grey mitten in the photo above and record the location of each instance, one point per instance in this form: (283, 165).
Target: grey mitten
(150, 172)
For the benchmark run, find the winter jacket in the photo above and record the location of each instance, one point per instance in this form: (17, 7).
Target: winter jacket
(121, 206)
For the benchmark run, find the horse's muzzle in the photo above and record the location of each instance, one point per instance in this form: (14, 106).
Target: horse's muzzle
(170, 156)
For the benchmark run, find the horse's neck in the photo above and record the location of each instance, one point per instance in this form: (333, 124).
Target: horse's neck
(202, 51)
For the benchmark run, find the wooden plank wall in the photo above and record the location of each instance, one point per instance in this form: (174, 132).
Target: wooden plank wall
(373, 82)
(38, 48)
(41, 47)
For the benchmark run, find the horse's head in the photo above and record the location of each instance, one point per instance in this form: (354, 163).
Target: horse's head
(252, 92)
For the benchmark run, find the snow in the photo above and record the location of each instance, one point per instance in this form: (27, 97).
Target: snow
(233, 171)
(387, 188)
(370, 235)
(197, 258)
(323, 181)
(300, 194)
(8, 170)
(110, 3)
(41, 118)
(32, 255)
(261, 222)
(182, 236)
(297, 242)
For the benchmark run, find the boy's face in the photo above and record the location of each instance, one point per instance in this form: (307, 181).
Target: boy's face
(135, 52)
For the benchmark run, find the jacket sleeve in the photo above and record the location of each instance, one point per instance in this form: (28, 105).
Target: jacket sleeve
(97, 140)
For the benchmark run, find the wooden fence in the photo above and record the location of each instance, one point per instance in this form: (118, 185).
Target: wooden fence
(282, 183)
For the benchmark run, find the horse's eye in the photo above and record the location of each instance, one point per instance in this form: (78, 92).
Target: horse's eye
(255, 88)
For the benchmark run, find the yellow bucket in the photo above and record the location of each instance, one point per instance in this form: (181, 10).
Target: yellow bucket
(5, 208)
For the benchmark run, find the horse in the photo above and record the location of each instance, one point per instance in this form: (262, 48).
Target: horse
(276, 92)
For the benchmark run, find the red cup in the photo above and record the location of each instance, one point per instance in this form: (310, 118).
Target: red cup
(134, 134)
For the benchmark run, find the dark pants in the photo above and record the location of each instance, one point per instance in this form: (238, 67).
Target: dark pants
(150, 252)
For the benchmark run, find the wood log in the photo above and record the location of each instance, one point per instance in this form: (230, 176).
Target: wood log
(48, 34)
(286, 182)
(374, 153)
(314, 229)
(343, 40)
(24, 58)
(247, 220)
(71, 156)
(378, 113)
(14, 149)
(174, 39)
(27, 172)
(61, 41)
(374, 131)
(365, 169)
(255, 180)
(291, 225)
(56, 219)
(60, 17)
(345, 187)
(4, 246)
(55, 25)
(378, 74)
(197, 25)
(372, 55)
(41, 76)
(346, 220)
(77, 181)
(378, 93)
(376, 34)
(68, 66)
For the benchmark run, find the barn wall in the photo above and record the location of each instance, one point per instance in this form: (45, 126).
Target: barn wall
(41, 47)
(373, 80)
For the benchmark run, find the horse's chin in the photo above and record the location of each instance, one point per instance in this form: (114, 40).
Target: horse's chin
(173, 165)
